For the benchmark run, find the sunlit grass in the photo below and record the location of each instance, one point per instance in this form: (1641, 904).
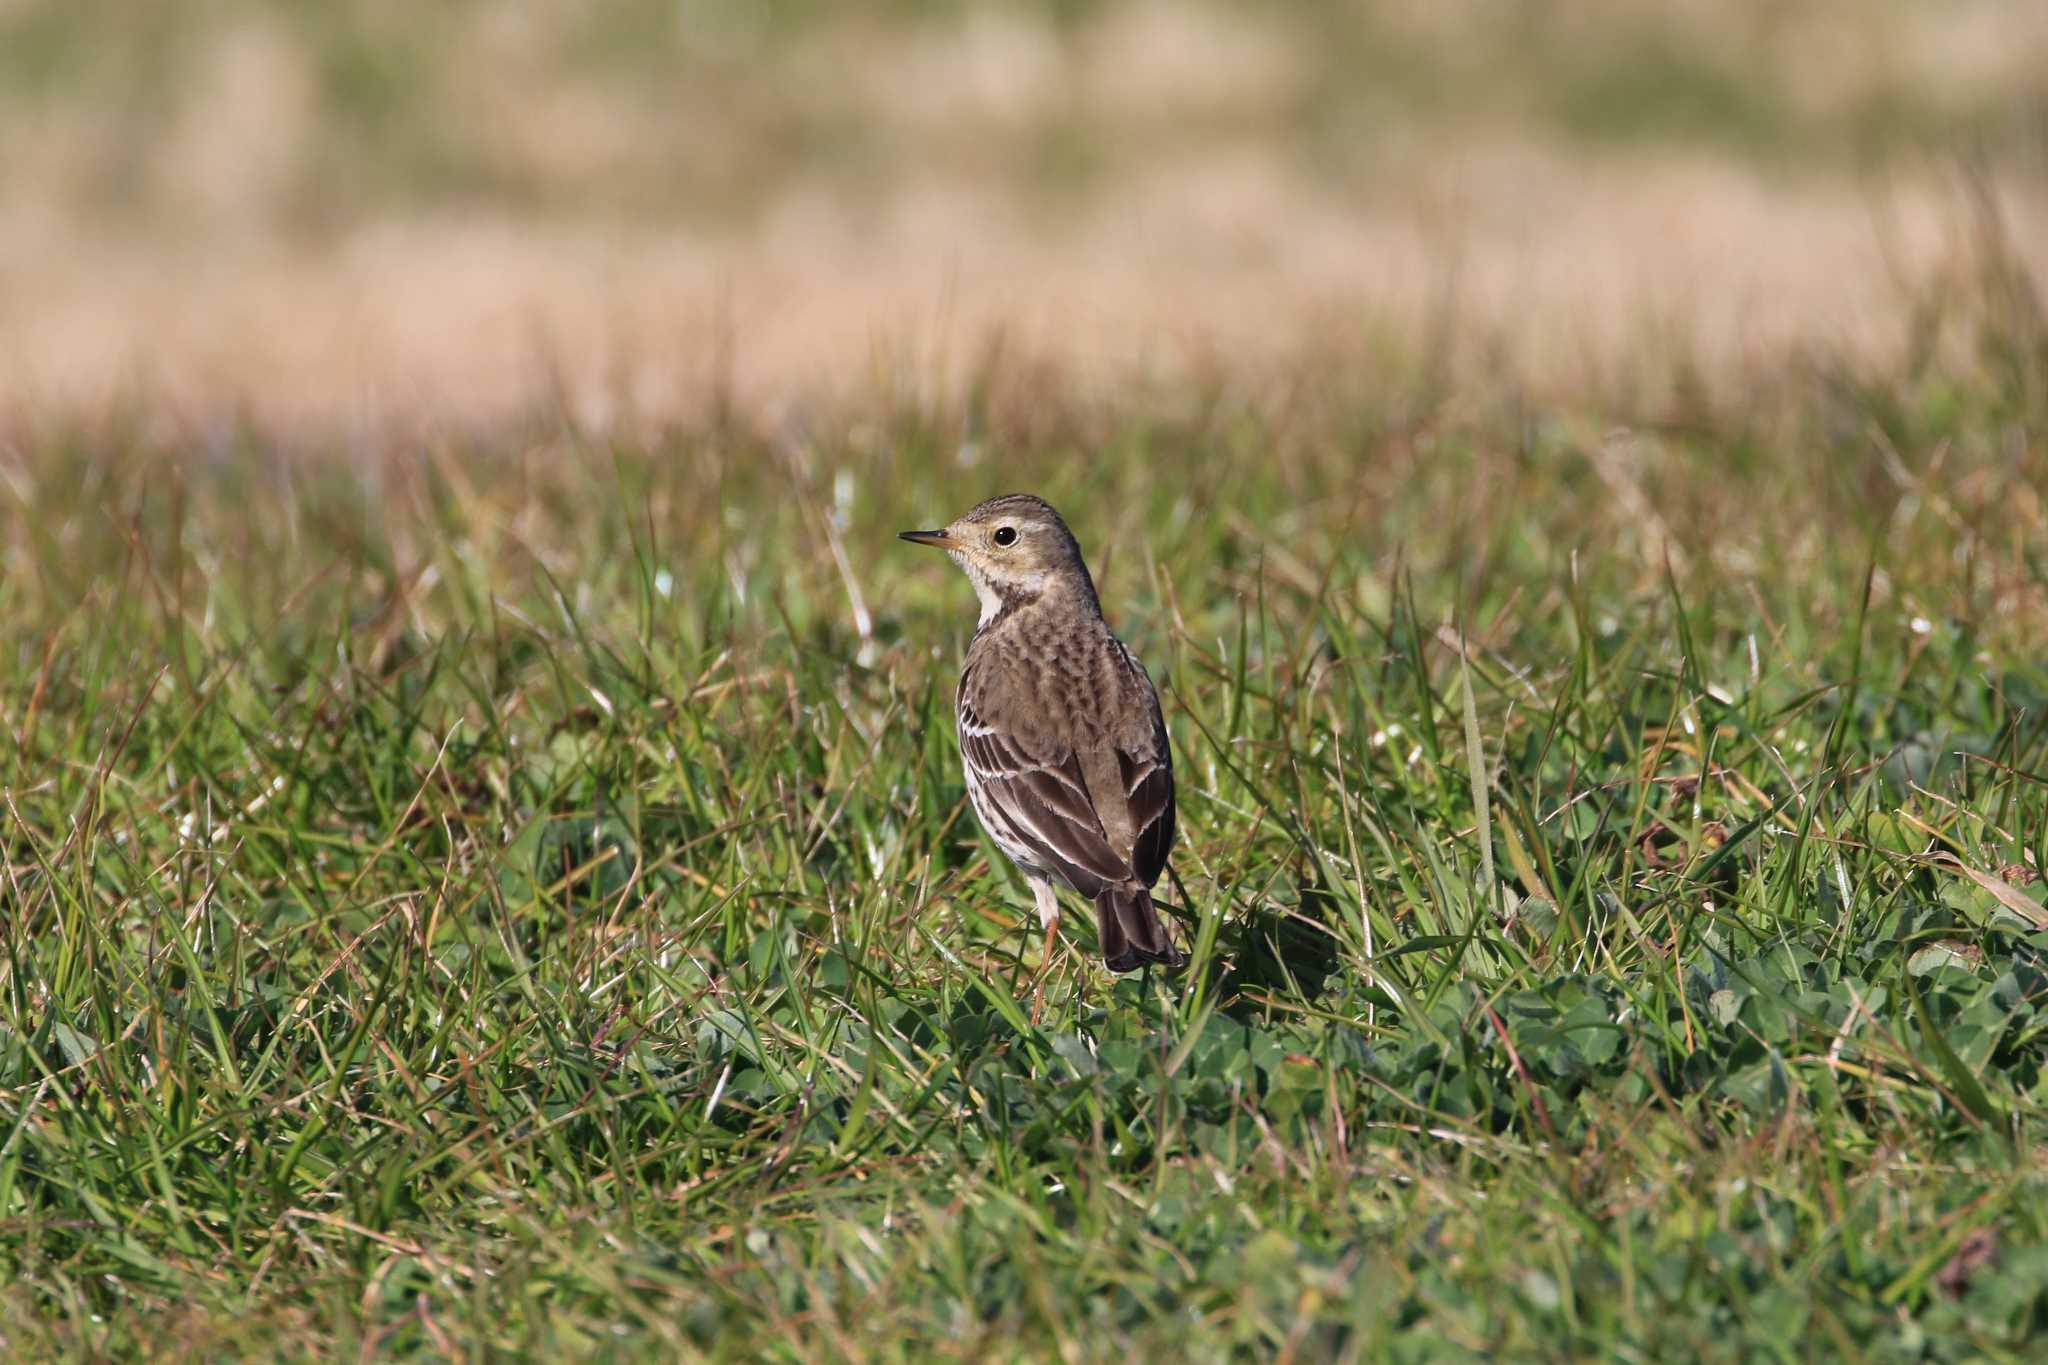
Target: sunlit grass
(517, 894)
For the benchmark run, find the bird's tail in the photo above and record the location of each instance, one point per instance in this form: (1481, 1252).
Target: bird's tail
(1131, 932)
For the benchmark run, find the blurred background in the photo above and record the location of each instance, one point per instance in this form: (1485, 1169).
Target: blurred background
(383, 212)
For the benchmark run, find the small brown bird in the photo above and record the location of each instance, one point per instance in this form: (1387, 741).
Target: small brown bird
(1060, 732)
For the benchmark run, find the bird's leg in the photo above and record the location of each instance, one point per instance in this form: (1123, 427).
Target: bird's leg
(1049, 916)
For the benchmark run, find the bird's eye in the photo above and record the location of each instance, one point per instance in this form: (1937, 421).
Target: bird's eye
(1006, 535)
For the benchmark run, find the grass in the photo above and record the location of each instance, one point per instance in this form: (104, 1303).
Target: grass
(515, 895)
(307, 120)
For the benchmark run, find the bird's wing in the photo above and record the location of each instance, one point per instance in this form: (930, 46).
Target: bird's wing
(1144, 771)
(1038, 798)
(1147, 774)
(1103, 815)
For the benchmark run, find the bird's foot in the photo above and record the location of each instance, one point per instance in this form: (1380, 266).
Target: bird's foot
(1052, 930)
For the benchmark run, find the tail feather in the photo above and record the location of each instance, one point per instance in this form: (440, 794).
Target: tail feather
(1131, 932)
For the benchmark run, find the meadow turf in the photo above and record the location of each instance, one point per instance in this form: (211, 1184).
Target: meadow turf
(513, 892)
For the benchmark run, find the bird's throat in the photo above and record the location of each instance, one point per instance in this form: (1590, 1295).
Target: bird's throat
(1002, 599)
(993, 600)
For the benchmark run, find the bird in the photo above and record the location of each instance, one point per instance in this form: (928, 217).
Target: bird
(1061, 737)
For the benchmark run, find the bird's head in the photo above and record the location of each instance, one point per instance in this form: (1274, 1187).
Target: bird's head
(1015, 549)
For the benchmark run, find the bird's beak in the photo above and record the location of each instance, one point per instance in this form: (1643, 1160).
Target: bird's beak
(923, 537)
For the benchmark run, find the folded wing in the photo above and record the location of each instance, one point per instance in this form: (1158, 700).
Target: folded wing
(1096, 819)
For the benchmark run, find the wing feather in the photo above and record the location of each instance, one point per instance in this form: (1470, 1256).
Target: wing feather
(1042, 802)
(1034, 791)
(1150, 785)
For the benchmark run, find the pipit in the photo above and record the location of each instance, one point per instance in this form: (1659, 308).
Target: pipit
(1060, 733)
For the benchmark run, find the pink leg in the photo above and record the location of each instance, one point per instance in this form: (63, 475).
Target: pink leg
(1049, 916)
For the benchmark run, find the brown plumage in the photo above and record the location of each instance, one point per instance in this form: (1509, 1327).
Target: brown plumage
(1060, 733)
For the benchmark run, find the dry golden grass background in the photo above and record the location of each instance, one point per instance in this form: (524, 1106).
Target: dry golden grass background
(374, 213)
